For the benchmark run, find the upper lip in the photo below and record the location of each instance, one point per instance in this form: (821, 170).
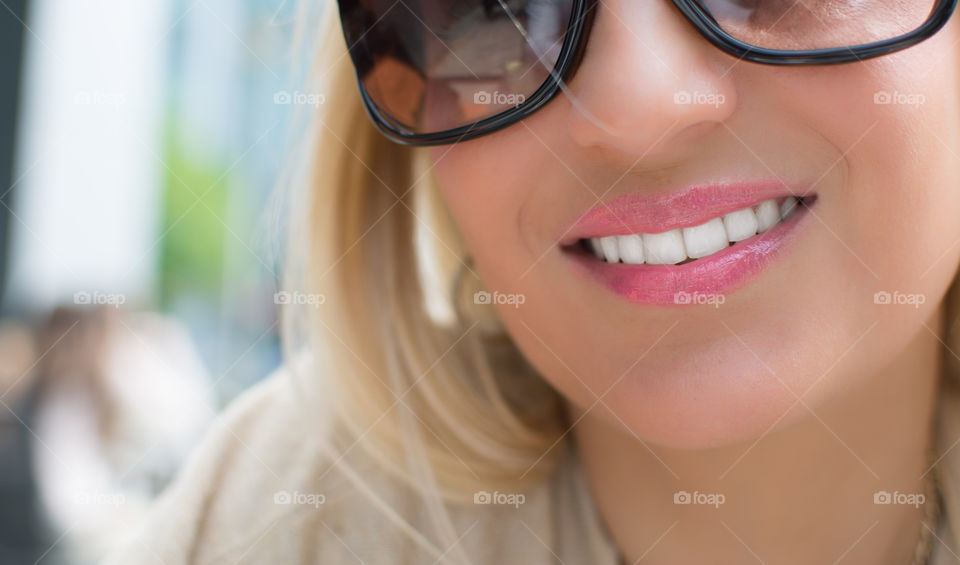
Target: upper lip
(636, 213)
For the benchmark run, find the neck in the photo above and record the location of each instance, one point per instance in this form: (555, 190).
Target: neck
(802, 494)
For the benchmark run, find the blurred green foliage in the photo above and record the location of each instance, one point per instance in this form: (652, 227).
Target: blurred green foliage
(194, 202)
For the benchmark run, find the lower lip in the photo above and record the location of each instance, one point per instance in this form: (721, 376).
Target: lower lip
(719, 274)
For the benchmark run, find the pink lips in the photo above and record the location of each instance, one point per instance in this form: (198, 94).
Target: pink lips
(696, 282)
(636, 213)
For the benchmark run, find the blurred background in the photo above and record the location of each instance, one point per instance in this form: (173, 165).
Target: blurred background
(141, 144)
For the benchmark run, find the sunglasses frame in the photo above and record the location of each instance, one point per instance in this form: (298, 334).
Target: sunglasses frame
(582, 14)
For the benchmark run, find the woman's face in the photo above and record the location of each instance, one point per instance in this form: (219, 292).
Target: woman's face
(668, 132)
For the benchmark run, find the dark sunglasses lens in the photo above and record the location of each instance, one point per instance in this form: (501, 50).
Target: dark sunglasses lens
(798, 25)
(436, 65)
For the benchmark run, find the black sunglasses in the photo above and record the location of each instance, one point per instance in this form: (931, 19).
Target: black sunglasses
(439, 71)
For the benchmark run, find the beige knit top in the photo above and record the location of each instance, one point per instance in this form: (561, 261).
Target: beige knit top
(254, 492)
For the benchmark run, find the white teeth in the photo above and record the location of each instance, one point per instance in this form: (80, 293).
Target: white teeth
(705, 239)
(631, 248)
(596, 247)
(740, 225)
(674, 246)
(768, 215)
(788, 205)
(610, 249)
(664, 248)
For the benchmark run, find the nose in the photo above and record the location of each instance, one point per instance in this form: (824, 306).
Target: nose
(646, 76)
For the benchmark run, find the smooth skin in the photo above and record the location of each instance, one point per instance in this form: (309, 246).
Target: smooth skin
(799, 397)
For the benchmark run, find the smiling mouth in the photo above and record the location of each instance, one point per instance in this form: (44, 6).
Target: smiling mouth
(687, 245)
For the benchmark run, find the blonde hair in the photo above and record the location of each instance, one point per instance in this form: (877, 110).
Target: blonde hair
(450, 406)
(446, 404)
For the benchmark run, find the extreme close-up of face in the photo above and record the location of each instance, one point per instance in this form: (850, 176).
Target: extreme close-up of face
(480, 282)
(790, 209)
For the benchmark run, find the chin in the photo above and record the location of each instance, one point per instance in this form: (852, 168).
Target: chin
(700, 409)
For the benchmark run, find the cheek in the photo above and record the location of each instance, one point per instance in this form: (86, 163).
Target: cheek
(893, 225)
(487, 185)
(898, 213)
(895, 120)
(475, 199)
(475, 192)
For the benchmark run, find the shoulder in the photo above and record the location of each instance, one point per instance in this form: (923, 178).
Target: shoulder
(252, 472)
(262, 488)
